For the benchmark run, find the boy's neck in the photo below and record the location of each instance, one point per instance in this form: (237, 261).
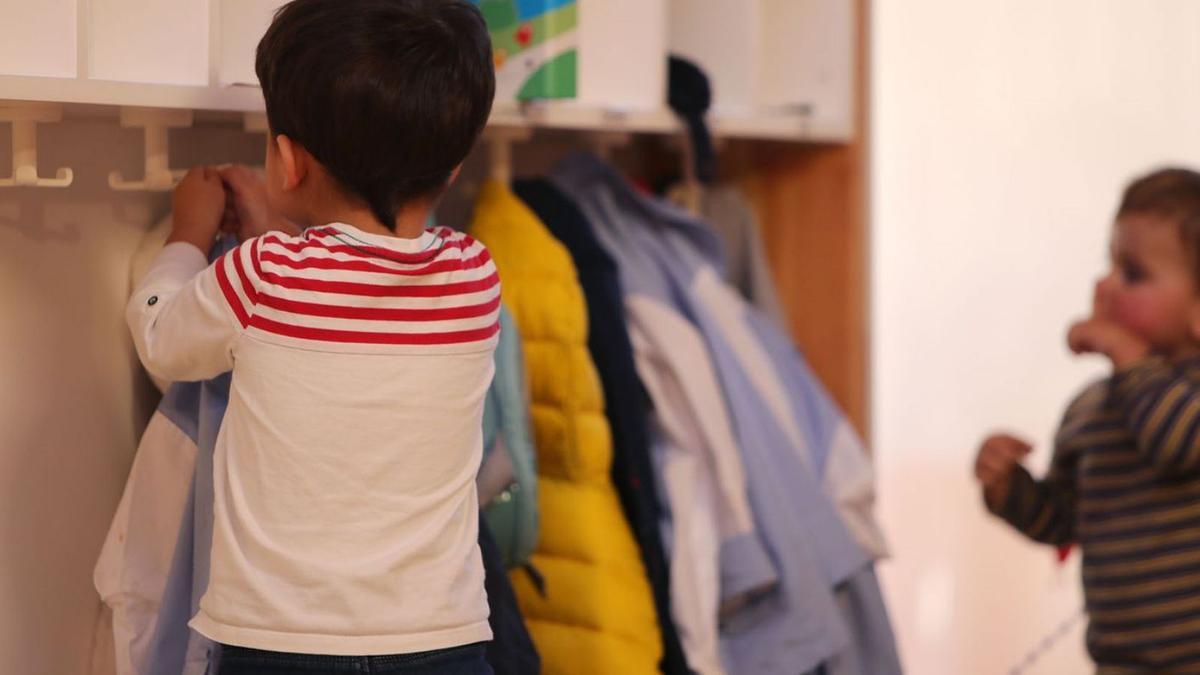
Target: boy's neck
(410, 221)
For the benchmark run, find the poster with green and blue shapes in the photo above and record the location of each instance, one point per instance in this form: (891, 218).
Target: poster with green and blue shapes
(535, 46)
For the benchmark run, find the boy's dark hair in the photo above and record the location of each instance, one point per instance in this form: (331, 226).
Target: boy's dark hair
(389, 95)
(1171, 194)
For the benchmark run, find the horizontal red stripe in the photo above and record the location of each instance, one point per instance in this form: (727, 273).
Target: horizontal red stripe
(231, 297)
(362, 265)
(384, 291)
(379, 313)
(364, 337)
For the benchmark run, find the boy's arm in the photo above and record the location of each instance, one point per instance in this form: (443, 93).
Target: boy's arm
(185, 314)
(1042, 510)
(1161, 407)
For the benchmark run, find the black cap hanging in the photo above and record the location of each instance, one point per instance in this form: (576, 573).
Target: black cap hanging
(689, 95)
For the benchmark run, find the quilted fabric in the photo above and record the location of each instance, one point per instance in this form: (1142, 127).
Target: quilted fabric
(597, 615)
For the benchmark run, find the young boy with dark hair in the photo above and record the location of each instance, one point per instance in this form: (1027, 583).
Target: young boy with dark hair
(345, 514)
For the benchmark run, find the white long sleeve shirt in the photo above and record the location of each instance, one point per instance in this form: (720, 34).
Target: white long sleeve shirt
(345, 509)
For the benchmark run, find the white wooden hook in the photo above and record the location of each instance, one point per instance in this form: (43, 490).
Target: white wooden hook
(500, 141)
(155, 123)
(24, 119)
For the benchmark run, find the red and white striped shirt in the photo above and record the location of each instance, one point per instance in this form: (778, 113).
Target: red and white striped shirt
(345, 510)
(339, 286)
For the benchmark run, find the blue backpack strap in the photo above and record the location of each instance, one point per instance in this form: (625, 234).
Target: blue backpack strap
(513, 516)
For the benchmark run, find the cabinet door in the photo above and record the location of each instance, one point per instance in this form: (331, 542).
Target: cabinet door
(772, 56)
(243, 23)
(808, 57)
(720, 36)
(152, 41)
(623, 53)
(39, 38)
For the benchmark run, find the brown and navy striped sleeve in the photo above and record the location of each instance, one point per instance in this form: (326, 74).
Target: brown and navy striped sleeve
(1045, 510)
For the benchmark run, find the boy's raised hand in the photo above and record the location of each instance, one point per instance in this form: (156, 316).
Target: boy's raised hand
(998, 456)
(248, 194)
(198, 206)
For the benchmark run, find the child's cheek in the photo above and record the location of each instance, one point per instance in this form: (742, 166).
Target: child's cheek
(1140, 313)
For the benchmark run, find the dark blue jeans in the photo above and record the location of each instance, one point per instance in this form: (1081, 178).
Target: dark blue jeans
(466, 660)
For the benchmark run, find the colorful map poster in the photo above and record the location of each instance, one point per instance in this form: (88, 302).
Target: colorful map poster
(535, 45)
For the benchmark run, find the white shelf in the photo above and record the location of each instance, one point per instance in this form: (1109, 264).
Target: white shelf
(796, 127)
(104, 92)
(566, 115)
(570, 116)
(781, 127)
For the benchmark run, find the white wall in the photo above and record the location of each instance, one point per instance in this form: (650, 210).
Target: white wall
(1003, 131)
(73, 400)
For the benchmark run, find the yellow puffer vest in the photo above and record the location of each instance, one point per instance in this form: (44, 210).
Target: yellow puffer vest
(597, 616)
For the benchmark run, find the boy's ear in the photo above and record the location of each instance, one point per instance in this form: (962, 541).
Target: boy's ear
(454, 175)
(294, 162)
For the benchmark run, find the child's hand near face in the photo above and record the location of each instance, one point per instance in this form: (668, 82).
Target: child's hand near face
(198, 206)
(1100, 334)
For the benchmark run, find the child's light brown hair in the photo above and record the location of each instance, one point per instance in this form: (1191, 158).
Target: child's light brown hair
(1172, 195)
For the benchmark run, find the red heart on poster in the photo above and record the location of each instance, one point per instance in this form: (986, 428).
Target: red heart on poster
(525, 35)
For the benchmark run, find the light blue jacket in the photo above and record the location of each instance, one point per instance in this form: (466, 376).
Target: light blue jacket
(197, 408)
(661, 251)
(513, 516)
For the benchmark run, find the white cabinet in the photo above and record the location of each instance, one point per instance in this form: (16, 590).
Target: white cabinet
(150, 41)
(623, 54)
(809, 56)
(772, 56)
(242, 24)
(38, 38)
